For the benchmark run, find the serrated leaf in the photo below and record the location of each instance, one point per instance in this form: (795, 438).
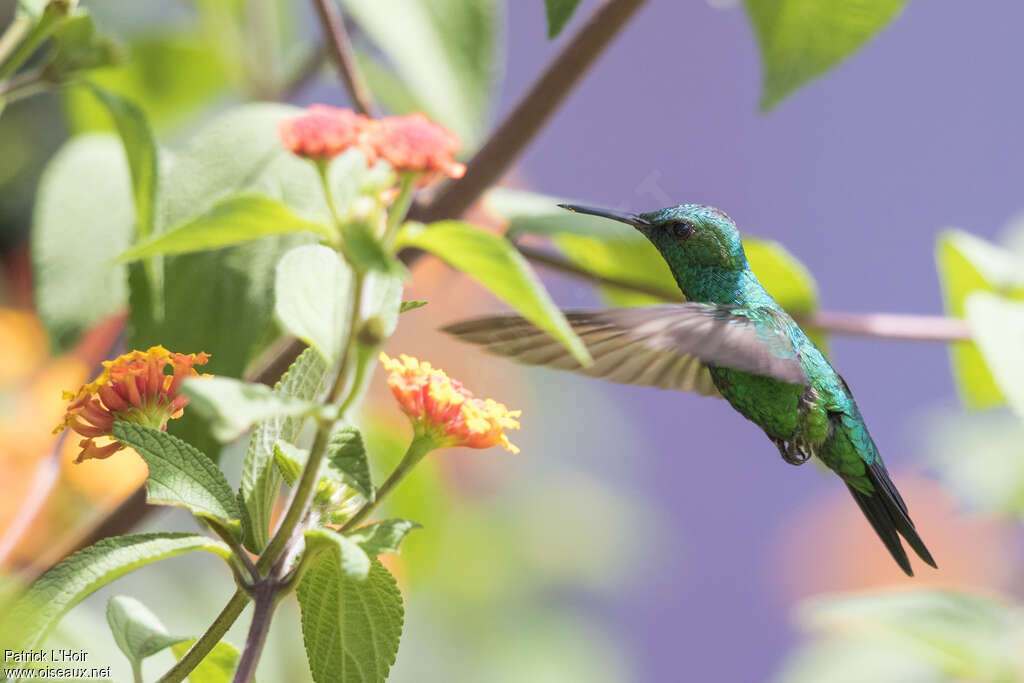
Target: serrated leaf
(180, 475)
(385, 536)
(363, 247)
(997, 326)
(137, 631)
(351, 628)
(312, 298)
(218, 666)
(140, 149)
(290, 460)
(347, 555)
(495, 263)
(558, 14)
(232, 406)
(234, 220)
(412, 305)
(78, 227)
(81, 574)
(347, 461)
(802, 39)
(306, 379)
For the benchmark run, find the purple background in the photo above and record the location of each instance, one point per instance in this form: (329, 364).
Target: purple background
(855, 174)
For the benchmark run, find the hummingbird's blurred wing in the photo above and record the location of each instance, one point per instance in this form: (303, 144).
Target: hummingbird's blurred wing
(667, 346)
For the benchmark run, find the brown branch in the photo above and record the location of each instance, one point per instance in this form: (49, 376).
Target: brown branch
(893, 326)
(340, 48)
(530, 114)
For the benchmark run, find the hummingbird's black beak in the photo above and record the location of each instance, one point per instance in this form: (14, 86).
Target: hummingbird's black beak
(631, 218)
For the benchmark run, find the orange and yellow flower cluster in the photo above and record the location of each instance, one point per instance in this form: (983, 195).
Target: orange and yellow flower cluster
(410, 143)
(442, 409)
(131, 388)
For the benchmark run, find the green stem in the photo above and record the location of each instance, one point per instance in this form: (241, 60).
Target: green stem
(263, 610)
(13, 34)
(137, 670)
(321, 169)
(27, 41)
(400, 207)
(208, 640)
(418, 449)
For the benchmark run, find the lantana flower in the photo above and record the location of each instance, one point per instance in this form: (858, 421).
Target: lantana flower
(414, 143)
(132, 388)
(323, 132)
(444, 411)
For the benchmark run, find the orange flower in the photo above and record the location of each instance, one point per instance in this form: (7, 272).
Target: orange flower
(324, 132)
(132, 388)
(415, 143)
(444, 410)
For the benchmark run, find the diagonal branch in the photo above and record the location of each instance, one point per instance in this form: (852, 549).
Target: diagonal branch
(340, 48)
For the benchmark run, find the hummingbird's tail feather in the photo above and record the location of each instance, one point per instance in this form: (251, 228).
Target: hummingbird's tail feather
(888, 515)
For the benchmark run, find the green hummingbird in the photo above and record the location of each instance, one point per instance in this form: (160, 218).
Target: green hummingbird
(730, 339)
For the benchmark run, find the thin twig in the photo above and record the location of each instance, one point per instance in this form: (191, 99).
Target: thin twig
(344, 57)
(530, 114)
(892, 326)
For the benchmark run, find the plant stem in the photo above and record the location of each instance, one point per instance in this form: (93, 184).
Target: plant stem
(530, 114)
(263, 609)
(400, 207)
(137, 670)
(208, 640)
(419, 448)
(340, 48)
(13, 34)
(321, 170)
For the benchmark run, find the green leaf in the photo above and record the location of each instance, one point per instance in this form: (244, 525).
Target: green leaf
(137, 631)
(79, 225)
(347, 461)
(218, 666)
(443, 52)
(232, 406)
(802, 39)
(559, 12)
(969, 264)
(997, 326)
(140, 149)
(351, 628)
(306, 380)
(412, 305)
(345, 553)
(495, 263)
(290, 460)
(234, 220)
(180, 475)
(363, 247)
(312, 298)
(383, 537)
(81, 574)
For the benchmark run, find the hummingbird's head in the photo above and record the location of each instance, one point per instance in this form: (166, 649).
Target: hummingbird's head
(686, 235)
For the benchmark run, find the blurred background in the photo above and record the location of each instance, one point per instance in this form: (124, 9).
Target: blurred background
(640, 535)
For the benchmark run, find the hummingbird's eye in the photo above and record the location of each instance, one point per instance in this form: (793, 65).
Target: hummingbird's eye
(681, 230)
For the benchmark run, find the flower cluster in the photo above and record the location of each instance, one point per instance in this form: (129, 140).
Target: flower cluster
(442, 409)
(410, 143)
(131, 388)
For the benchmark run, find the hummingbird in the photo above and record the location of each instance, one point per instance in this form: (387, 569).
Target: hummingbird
(730, 339)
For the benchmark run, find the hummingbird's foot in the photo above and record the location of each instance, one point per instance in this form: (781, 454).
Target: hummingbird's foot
(792, 452)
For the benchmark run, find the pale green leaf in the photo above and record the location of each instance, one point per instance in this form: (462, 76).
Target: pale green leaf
(137, 631)
(306, 380)
(234, 220)
(382, 298)
(81, 574)
(366, 251)
(348, 463)
(997, 326)
(346, 554)
(412, 305)
(180, 475)
(232, 406)
(383, 537)
(217, 667)
(558, 13)
(351, 628)
(312, 298)
(79, 225)
(495, 263)
(290, 460)
(802, 39)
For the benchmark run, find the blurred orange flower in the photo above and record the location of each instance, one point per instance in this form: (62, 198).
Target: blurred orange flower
(133, 388)
(415, 143)
(443, 409)
(324, 132)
